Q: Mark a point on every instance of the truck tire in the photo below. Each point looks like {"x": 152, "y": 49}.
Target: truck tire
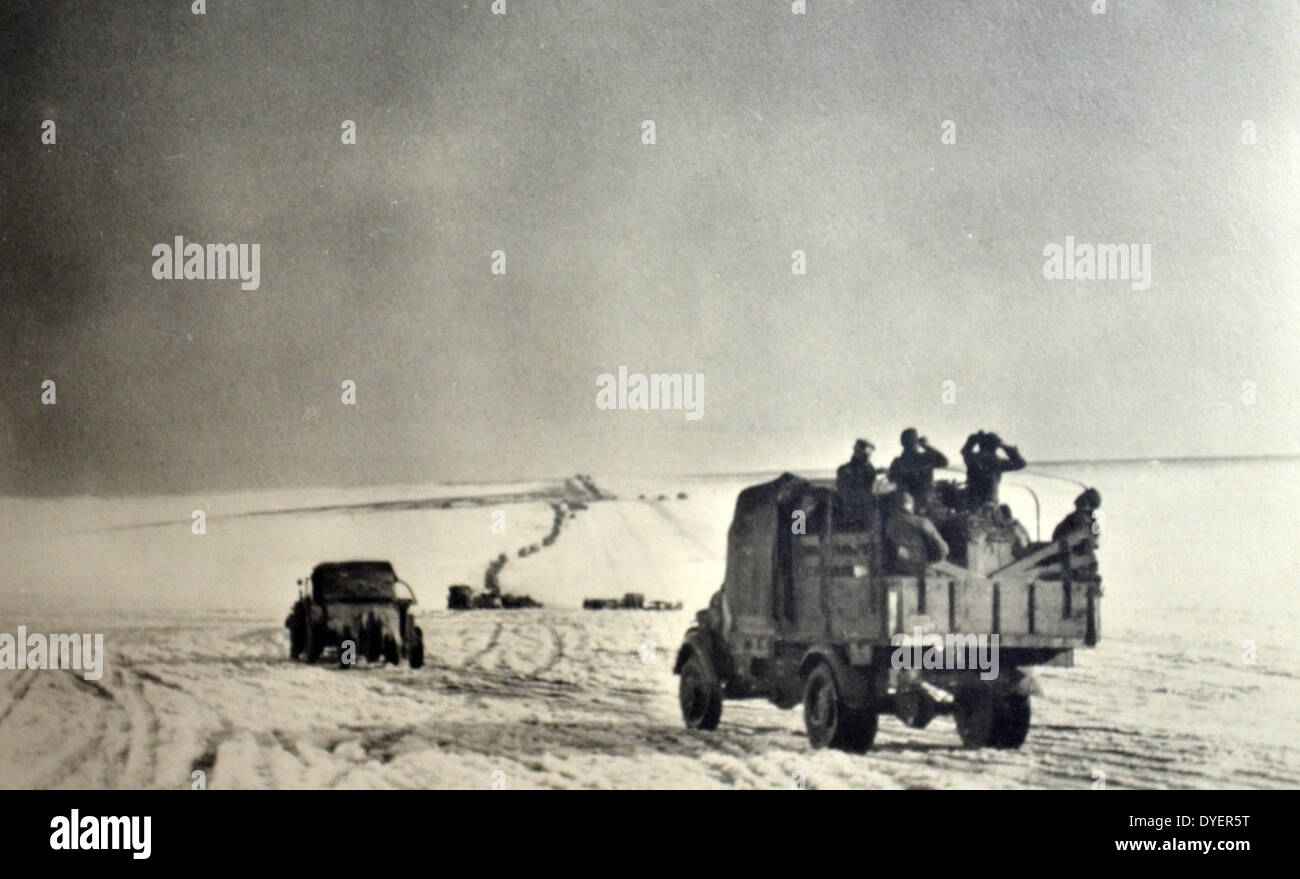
{"x": 829, "y": 721}
{"x": 376, "y": 642}
{"x": 1010, "y": 721}
{"x": 296, "y": 635}
{"x": 416, "y": 656}
{"x": 974, "y": 711}
{"x": 346, "y": 637}
{"x": 391, "y": 655}
{"x": 986, "y": 719}
{"x": 312, "y": 645}
{"x": 699, "y": 693}
{"x": 915, "y": 707}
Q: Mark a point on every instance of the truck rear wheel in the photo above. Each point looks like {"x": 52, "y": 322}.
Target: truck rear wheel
{"x": 416, "y": 655}
{"x": 312, "y": 643}
{"x": 296, "y": 634}
{"x": 915, "y": 707}
{"x": 829, "y": 721}
{"x": 699, "y": 694}
{"x": 989, "y": 720}
{"x": 1011, "y": 722}
{"x": 973, "y": 709}
{"x": 376, "y": 642}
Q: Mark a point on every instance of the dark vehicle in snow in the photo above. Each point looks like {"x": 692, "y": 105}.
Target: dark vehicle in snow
{"x": 357, "y": 602}
{"x": 819, "y": 618}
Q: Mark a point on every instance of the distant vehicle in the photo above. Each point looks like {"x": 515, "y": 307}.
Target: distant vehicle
{"x": 518, "y": 602}
{"x": 358, "y": 602}
{"x": 681, "y": 495}
{"x": 818, "y": 618}
{"x": 629, "y": 601}
{"x": 462, "y": 597}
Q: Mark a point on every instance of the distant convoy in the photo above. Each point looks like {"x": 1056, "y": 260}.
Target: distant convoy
{"x": 905, "y": 596}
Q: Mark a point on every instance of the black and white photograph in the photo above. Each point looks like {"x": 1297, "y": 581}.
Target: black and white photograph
{"x": 514, "y": 395}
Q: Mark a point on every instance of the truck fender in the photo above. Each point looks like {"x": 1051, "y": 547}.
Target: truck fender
{"x": 315, "y": 613}
{"x": 1025, "y": 684}
{"x": 699, "y": 641}
{"x": 855, "y": 687}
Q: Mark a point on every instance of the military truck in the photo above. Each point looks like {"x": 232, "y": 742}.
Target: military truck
{"x": 359, "y": 602}
{"x": 824, "y": 618}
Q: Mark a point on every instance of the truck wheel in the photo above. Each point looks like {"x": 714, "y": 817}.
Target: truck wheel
{"x": 975, "y": 712}
{"x": 390, "y": 650}
{"x": 699, "y": 694}
{"x": 832, "y": 723}
{"x": 375, "y": 640}
{"x": 295, "y": 635}
{"x": 416, "y": 657}
{"x": 311, "y": 642}
{"x": 346, "y": 637}
{"x": 1010, "y": 722}
{"x": 915, "y": 707}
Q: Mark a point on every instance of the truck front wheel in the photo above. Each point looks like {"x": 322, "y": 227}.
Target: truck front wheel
{"x": 699, "y": 693}
{"x": 832, "y": 723}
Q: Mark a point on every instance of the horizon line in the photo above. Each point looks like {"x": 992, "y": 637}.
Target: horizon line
{"x": 1275, "y": 456}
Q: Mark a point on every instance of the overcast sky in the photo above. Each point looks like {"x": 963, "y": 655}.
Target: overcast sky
{"x": 522, "y": 132}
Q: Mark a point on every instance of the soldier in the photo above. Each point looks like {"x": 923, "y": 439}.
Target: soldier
{"x": 1081, "y": 518}
{"x": 913, "y": 471}
{"x": 984, "y": 468}
{"x": 912, "y": 541}
{"x": 1020, "y": 541}
{"x": 853, "y": 487}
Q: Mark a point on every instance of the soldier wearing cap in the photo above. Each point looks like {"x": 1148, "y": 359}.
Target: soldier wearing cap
{"x": 1082, "y": 517}
{"x": 853, "y": 487}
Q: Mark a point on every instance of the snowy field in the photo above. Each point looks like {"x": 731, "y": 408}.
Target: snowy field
{"x": 1198, "y": 560}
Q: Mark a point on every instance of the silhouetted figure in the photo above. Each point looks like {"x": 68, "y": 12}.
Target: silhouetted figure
{"x": 1084, "y": 506}
{"x": 913, "y": 471}
{"x": 984, "y": 468}
{"x": 853, "y": 488}
{"x": 1020, "y": 542}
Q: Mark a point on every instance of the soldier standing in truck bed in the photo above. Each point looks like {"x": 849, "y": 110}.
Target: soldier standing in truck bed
{"x": 913, "y": 471}
{"x": 853, "y": 488}
{"x": 984, "y": 468}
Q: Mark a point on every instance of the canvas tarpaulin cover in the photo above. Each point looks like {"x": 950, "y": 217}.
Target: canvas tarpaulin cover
{"x": 344, "y": 581}
{"x": 749, "y": 585}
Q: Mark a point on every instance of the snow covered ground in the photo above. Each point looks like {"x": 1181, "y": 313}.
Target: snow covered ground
{"x": 1198, "y": 559}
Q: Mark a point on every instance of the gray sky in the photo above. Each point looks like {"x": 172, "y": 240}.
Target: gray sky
{"x": 522, "y": 133}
